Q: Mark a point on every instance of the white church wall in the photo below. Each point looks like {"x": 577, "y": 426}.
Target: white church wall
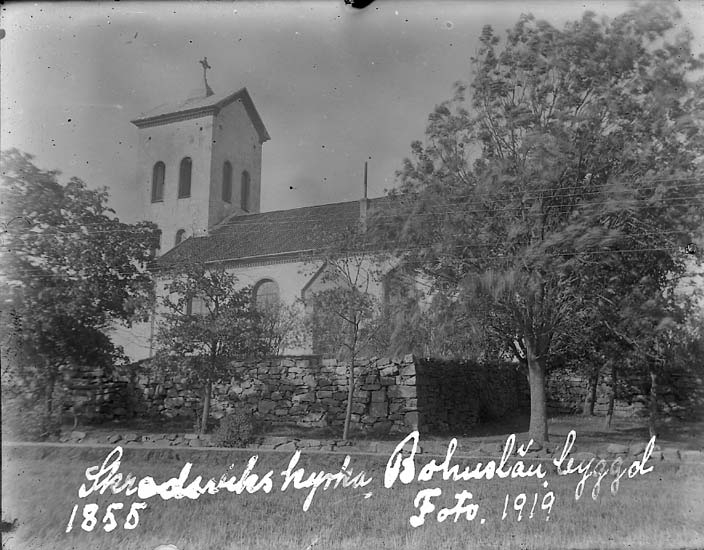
{"x": 290, "y": 277}
{"x": 368, "y": 274}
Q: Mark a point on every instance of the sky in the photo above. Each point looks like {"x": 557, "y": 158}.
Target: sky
{"x": 334, "y": 86}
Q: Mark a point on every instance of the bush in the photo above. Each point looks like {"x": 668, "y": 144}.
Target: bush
{"x": 235, "y": 430}
{"x": 26, "y": 421}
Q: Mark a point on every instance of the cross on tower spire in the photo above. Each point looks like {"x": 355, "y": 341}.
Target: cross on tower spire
{"x": 206, "y": 66}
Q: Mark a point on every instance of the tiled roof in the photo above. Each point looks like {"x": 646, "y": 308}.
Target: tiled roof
{"x": 202, "y": 105}
{"x": 256, "y": 237}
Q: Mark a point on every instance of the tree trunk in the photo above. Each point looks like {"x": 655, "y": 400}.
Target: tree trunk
{"x": 590, "y": 398}
{"x": 49, "y": 405}
{"x": 653, "y": 405}
{"x": 538, "y": 428}
{"x": 206, "y": 407}
{"x": 612, "y": 397}
{"x": 49, "y": 396}
{"x": 50, "y": 389}
{"x": 350, "y": 396}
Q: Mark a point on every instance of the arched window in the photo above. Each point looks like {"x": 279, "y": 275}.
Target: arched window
{"x": 227, "y": 181}
{"x": 158, "y": 182}
{"x": 184, "y": 178}
{"x": 266, "y": 294}
{"x": 244, "y": 201}
{"x": 179, "y": 236}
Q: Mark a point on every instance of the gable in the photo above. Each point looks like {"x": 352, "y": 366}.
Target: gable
{"x": 202, "y": 106}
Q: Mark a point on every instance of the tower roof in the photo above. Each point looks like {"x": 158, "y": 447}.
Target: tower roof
{"x": 202, "y": 105}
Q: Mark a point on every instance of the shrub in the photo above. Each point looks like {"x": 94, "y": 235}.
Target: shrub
{"x": 235, "y": 430}
{"x": 24, "y": 420}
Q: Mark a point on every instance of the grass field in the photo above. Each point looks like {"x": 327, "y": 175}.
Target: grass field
{"x": 662, "y": 509}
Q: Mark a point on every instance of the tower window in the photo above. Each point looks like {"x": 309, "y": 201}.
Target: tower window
{"x": 266, "y": 294}
{"x": 227, "y": 182}
{"x": 184, "y": 178}
{"x": 179, "y": 236}
{"x": 244, "y": 200}
{"x": 158, "y": 182}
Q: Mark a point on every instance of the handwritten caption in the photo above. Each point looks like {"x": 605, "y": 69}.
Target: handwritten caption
{"x": 403, "y": 467}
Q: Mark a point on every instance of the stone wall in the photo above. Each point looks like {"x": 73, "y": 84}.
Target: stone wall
{"x": 680, "y": 393}
{"x": 94, "y": 394}
{"x": 390, "y": 395}
{"x": 304, "y": 391}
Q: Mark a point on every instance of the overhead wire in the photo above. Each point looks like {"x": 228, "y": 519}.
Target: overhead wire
{"x": 240, "y": 221}
{"x": 355, "y": 217}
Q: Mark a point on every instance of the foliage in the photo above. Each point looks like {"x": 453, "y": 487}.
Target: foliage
{"x": 343, "y": 312}
{"x": 71, "y": 269}
{"x": 236, "y": 429}
{"x": 568, "y": 168}
{"x": 26, "y": 419}
{"x": 445, "y": 326}
{"x": 344, "y": 317}
{"x": 342, "y": 321}
{"x": 282, "y": 326}
{"x": 207, "y": 323}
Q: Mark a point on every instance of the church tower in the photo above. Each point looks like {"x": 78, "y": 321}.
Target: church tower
{"x": 200, "y": 162}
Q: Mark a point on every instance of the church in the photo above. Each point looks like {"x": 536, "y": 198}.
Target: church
{"x": 199, "y": 180}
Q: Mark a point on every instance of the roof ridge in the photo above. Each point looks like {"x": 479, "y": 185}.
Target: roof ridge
{"x": 246, "y": 216}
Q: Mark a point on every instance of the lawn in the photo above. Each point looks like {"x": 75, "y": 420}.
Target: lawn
{"x": 661, "y": 509}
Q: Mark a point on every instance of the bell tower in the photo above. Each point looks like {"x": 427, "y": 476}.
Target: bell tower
{"x": 199, "y": 161}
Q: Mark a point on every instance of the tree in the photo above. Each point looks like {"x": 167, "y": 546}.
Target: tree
{"x": 207, "y": 323}
{"x": 344, "y": 316}
{"x": 654, "y": 330}
{"x": 71, "y": 269}
{"x": 281, "y": 325}
{"x": 571, "y": 158}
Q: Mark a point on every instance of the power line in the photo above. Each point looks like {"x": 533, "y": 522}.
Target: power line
{"x": 335, "y": 244}
{"x": 476, "y": 194}
{"x": 292, "y": 221}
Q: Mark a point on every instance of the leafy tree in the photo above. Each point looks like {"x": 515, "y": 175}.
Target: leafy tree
{"x": 344, "y": 316}
{"x": 442, "y": 326}
{"x": 207, "y": 323}
{"x": 654, "y": 332}
{"x": 571, "y": 158}
{"x": 281, "y": 325}
{"x": 70, "y": 270}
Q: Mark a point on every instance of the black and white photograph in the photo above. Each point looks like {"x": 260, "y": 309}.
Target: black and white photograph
{"x": 349, "y": 275}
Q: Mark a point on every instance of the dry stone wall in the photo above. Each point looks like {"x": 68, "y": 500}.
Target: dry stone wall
{"x": 680, "y": 393}
{"x": 391, "y": 395}
{"x": 304, "y": 391}
{"x": 94, "y": 394}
